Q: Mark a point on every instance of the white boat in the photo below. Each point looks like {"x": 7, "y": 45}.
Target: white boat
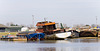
{"x": 63, "y": 35}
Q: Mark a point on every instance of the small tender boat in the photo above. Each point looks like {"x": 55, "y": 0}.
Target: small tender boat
{"x": 59, "y": 36}
{"x": 9, "y": 36}
{"x": 63, "y": 35}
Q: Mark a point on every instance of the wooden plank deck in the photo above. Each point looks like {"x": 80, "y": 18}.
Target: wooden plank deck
{"x": 13, "y": 39}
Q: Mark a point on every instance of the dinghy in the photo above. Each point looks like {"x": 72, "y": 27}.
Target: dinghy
{"x": 63, "y": 35}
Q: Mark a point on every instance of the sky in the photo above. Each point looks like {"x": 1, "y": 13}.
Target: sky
{"x": 69, "y": 12}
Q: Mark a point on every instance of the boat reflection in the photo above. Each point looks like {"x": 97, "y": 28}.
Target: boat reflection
{"x": 47, "y": 49}
{"x": 95, "y": 40}
{"x": 69, "y": 49}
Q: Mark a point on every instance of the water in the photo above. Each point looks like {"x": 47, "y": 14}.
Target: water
{"x": 51, "y": 45}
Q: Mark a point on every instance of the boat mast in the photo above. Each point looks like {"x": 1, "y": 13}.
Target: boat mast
{"x": 96, "y": 21}
{"x": 44, "y": 19}
{"x": 33, "y": 20}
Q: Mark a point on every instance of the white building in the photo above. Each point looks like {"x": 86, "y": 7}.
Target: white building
{"x": 25, "y": 29}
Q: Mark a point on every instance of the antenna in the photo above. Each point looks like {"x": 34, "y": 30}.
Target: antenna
{"x": 44, "y": 19}
{"x": 96, "y": 21}
{"x": 33, "y": 20}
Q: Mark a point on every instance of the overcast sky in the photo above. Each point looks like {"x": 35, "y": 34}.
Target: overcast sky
{"x": 62, "y": 11}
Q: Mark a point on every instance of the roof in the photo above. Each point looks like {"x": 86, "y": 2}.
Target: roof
{"x": 14, "y": 26}
{"x": 1, "y": 25}
{"x": 45, "y": 23}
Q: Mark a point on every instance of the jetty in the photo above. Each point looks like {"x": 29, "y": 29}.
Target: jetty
{"x": 13, "y": 39}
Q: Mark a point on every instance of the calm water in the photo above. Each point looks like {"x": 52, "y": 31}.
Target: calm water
{"x": 59, "y": 45}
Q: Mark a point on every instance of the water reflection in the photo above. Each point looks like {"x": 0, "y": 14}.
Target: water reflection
{"x": 96, "y": 40}
{"x": 51, "y": 45}
{"x": 47, "y": 49}
{"x": 69, "y": 49}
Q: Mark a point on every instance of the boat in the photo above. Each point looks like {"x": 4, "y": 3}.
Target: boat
{"x": 31, "y": 35}
{"x": 50, "y": 30}
{"x": 45, "y": 30}
{"x": 63, "y": 35}
{"x": 10, "y": 37}
{"x": 35, "y": 36}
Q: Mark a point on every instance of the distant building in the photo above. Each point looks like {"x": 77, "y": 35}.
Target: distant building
{"x": 24, "y": 29}
{"x": 13, "y": 28}
{"x": 4, "y": 28}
